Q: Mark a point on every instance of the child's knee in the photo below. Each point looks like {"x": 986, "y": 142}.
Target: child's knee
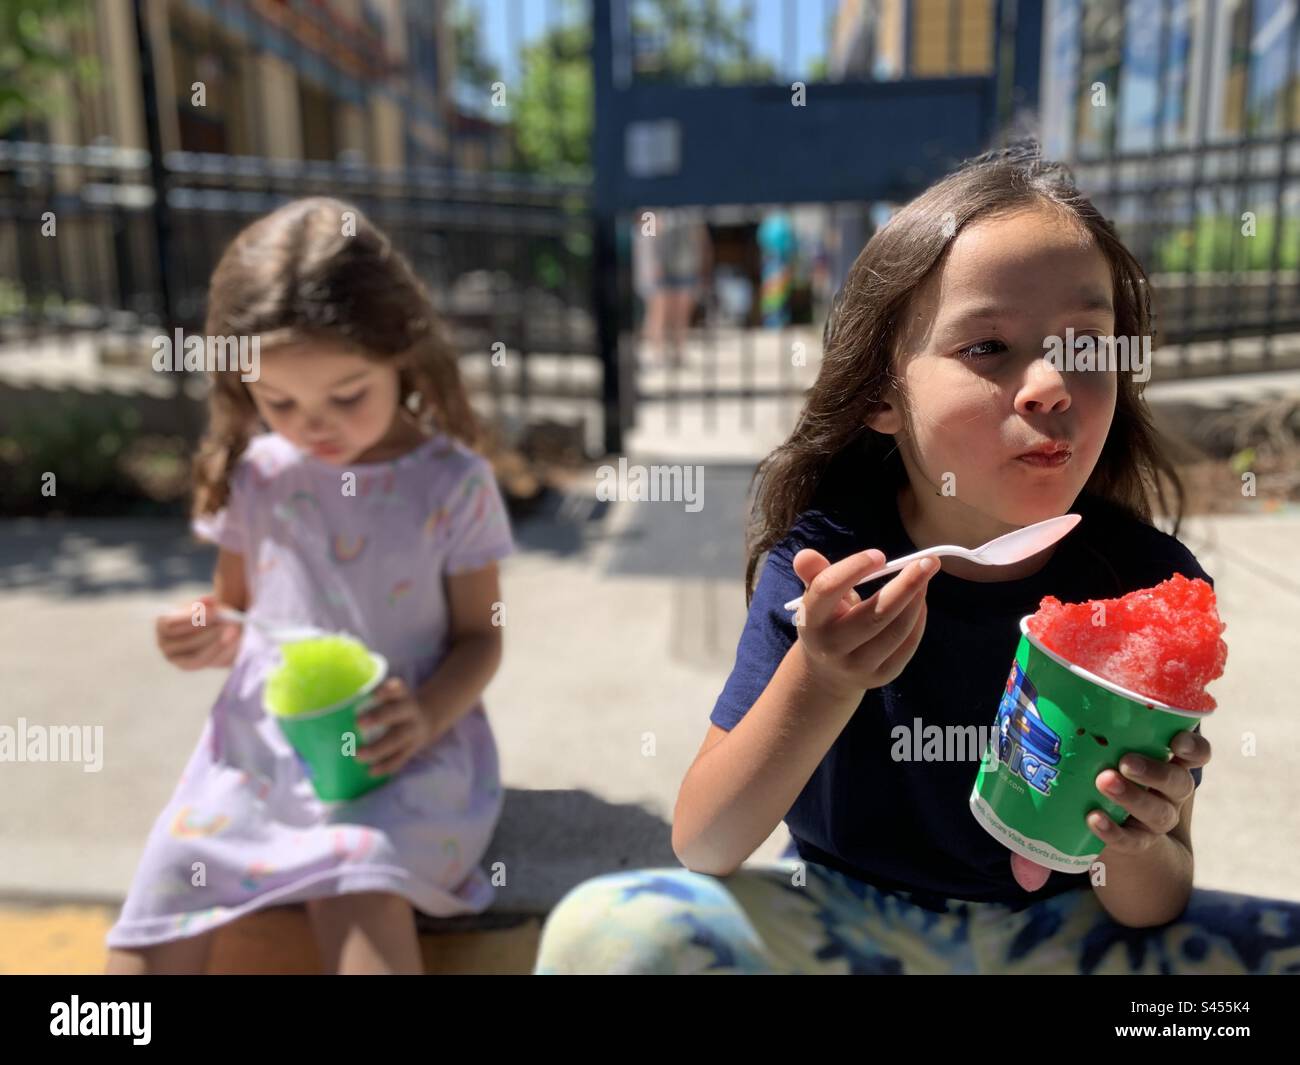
{"x": 633, "y": 921}
{"x": 173, "y": 958}
{"x": 126, "y": 963}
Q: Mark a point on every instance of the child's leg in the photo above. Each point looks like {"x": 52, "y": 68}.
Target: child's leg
{"x": 366, "y": 932}
{"x": 656, "y": 307}
{"x": 1222, "y": 931}
{"x": 177, "y": 958}
{"x": 681, "y": 307}
{"x": 1219, "y": 932}
{"x": 664, "y": 921}
{"x": 781, "y": 917}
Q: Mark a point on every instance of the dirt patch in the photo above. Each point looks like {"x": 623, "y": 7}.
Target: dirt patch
{"x": 1242, "y": 459}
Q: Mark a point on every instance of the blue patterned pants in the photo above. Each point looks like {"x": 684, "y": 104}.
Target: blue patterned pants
{"x": 799, "y": 917}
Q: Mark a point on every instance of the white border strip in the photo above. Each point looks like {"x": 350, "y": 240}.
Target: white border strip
{"x": 1035, "y": 850}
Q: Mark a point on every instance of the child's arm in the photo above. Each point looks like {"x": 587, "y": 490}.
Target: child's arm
{"x": 418, "y": 719}
{"x": 474, "y": 600}
{"x": 476, "y": 535}
{"x": 1148, "y": 860}
{"x": 228, "y": 581}
{"x": 743, "y": 783}
{"x": 1151, "y": 888}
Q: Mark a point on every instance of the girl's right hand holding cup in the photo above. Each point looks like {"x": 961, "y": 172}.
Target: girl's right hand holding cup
{"x": 857, "y": 644}
{"x": 188, "y": 645}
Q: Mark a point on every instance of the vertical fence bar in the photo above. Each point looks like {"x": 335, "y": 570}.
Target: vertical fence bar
{"x": 1241, "y": 189}
{"x": 1158, "y": 198}
{"x": 606, "y": 161}
{"x": 1285, "y": 138}
{"x": 160, "y": 214}
{"x": 1199, "y": 149}
{"x": 52, "y": 282}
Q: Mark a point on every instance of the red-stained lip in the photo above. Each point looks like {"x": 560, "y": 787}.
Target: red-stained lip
{"x": 1056, "y": 449}
{"x": 325, "y": 449}
{"x": 1057, "y": 458}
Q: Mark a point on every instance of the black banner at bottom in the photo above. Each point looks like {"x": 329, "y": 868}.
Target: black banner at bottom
{"x": 235, "y": 1013}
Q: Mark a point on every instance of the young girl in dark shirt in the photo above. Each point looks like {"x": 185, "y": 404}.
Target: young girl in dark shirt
{"x": 933, "y": 390}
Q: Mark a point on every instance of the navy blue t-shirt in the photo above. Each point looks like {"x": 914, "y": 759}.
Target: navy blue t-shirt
{"x": 906, "y": 825}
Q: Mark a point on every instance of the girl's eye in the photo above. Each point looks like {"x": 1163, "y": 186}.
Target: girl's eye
{"x": 281, "y": 406}
{"x": 350, "y": 400}
{"x": 973, "y": 351}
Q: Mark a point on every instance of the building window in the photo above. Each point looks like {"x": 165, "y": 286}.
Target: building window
{"x": 1267, "y": 58}
{"x": 1060, "y": 78}
{"x": 1144, "y": 124}
{"x": 204, "y": 87}
{"x": 319, "y": 139}
{"x": 951, "y": 38}
{"x": 1099, "y": 67}
{"x": 1234, "y": 84}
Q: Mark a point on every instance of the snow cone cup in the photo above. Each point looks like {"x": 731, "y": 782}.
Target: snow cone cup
{"x": 1057, "y": 727}
{"x": 323, "y": 739}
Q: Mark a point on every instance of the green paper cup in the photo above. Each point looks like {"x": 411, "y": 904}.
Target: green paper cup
{"x": 319, "y": 737}
{"x": 1057, "y": 727}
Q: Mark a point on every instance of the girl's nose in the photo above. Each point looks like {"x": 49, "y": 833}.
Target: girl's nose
{"x": 1043, "y": 390}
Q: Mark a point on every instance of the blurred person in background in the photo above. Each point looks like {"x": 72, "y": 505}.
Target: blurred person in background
{"x": 681, "y": 257}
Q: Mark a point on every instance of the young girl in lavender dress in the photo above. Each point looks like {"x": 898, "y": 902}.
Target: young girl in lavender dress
{"x": 359, "y": 505}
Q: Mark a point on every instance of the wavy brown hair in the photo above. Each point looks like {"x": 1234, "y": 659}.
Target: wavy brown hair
{"x": 830, "y": 442}
{"x": 300, "y": 274}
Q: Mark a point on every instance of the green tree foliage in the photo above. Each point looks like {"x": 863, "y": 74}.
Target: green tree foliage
{"x": 701, "y": 42}
{"x": 690, "y": 41}
{"x": 554, "y": 114}
{"x": 34, "y": 49}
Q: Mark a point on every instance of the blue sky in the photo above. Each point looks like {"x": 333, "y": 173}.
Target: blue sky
{"x": 528, "y": 19}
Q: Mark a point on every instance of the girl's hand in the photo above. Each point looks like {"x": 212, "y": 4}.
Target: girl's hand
{"x": 857, "y": 644}
{"x": 1156, "y": 806}
{"x": 410, "y": 728}
{"x": 1154, "y": 809}
{"x": 189, "y": 646}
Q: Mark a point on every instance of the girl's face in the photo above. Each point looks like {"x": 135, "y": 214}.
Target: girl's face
{"x": 329, "y": 402}
{"x": 978, "y": 392}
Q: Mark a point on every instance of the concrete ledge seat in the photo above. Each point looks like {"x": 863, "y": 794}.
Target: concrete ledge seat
{"x": 547, "y": 842}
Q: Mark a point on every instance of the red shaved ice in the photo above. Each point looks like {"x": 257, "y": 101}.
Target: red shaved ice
{"x": 1162, "y": 642}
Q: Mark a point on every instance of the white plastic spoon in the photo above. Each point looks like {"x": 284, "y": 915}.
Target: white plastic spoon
{"x": 1003, "y": 551}
{"x": 276, "y": 631}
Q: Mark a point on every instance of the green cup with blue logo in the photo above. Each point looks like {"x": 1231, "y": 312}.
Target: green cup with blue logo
{"x": 1058, "y": 726}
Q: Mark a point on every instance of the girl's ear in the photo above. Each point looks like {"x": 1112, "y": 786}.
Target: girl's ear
{"x": 886, "y": 418}
{"x": 405, "y": 388}
{"x": 255, "y": 422}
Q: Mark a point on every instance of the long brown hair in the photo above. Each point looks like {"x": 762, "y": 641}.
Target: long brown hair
{"x": 831, "y": 442}
{"x": 318, "y": 269}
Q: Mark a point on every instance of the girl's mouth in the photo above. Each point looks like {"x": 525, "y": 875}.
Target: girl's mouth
{"x": 1046, "y": 459}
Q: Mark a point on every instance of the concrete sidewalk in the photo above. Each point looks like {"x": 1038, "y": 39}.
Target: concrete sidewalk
{"x": 621, "y": 628}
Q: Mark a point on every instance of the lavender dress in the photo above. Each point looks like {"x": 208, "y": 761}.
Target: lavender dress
{"x": 364, "y": 554}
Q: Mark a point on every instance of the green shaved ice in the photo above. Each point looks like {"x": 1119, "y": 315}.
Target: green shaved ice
{"x": 317, "y": 673}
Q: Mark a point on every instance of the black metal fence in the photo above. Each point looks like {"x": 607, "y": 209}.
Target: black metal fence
{"x": 506, "y": 258}
{"x": 510, "y": 249}
{"x": 1216, "y": 230}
